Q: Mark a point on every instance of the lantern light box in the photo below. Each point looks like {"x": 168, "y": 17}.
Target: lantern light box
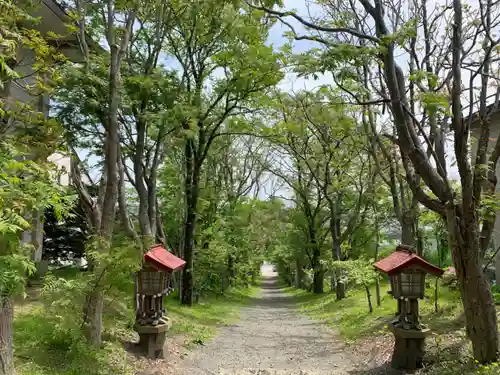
{"x": 407, "y": 272}
{"x": 153, "y": 284}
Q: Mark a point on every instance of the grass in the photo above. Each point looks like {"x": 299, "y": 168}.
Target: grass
{"x": 448, "y": 349}
{"x": 353, "y": 320}
{"x": 46, "y": 345}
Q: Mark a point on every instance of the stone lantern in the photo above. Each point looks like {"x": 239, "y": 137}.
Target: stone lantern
{"x": 152, "y": 284}
{"x": 407, "y": 273}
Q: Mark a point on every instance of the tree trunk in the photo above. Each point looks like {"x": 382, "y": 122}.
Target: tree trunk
{"x": 497, "y": 266}
{"x": 436, "y": 295}
{"x": 480, "y": 313}
{"x": 318, "y": 273}
{"x": 407, "y": 235}
{"x": 369, "y": 298}
{"x": 436, "y": 283}
{"x": 336, "y": 245}
{"x": 140, "y": 184}
{"x": 105, "y": 219}
{"x": 377, "y": 291}
{"x": 6, "y": 352}
{"x": 420, "y": 242}
{"x": 318, "y": 281}
{"x": 153, "y": 216}
{"x": 187, "y": 274}
{"x": 477, "y": 299}
{"x": 377, "y": 280}
{"x": 340, "y": 283}
{"x": 94, "y": 307}
{"x": 230, "y": 269}
{"x": 191, "y": 191}
{"x": 298, "y": 274}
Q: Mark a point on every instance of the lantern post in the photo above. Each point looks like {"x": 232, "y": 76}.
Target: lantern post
{"x": 152, "y": 284}
{"x": 407, "y": 273}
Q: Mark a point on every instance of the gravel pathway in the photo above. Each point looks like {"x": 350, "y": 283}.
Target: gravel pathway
{"x": 271, "y": 338}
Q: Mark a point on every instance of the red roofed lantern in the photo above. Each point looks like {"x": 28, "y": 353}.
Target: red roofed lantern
{"x": 407, "y": 272}
{"x": 152, "y": 284}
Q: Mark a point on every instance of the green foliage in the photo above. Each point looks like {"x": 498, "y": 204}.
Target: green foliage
{"x": 361, "y": 272}
{"x": 25, "y": 186}
{"x": 20, "y": 32}
{"x": 246, "y": 233}
{"x": 450, "y": 278}
{"x": 435, "y": 236}
{"x": 496, "y": 294}
{"x": 353, "y": 320}
{"x": 49, "y": 341}
{"x": 123, "y": 260}
{"x": 44, "y": 348}
{"x": 65, "y": 298}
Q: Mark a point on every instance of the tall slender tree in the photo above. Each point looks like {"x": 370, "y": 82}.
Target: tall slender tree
{"x": 219, "y": 83}
{"x": 116, "y": 20}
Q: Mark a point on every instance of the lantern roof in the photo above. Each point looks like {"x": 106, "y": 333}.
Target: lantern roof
{"x": 163, "y": 260}
{"x": 403, "y": 258}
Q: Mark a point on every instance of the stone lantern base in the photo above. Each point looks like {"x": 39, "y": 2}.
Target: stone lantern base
{"x": 152, "y": 339}
{"x": 408, "y": 347}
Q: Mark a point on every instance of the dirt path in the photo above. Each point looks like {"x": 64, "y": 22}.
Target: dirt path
{"x": 271, "y": 338}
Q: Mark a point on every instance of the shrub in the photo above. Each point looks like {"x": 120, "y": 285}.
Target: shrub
{"x": 450, "y": 278}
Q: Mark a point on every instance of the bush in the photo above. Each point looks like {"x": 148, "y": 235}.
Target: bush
{"x": 496, "y": 294}
{"x": 44, "y": 346}
{"x": 450, "y": 278}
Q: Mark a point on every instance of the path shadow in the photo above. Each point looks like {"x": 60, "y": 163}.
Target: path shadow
{"x": 272, "y": 295}
{"x": 271, "y": 282}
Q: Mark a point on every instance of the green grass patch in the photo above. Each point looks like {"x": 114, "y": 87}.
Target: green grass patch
{"x": 448, "y": 349}
{"x": 46, "y": 345}
{"x": 352, "y": 319}
{"x": 200, "y": 321}
{"x": 469, "y": 368}
{"x": 43, "y": 348}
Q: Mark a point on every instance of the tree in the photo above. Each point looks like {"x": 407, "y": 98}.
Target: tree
{"x": 294, "y": 142}
{"x": 28, "y": 138}
{"x": 147, "y": 116}
{"x": 225, "y": 69}
{"x": 232, "y": 170}
{"x": 320, "y": 135}
{"x": 422, "y": 120}
{"x": 362, "y": 273}
{"x": 116, "y": 20}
